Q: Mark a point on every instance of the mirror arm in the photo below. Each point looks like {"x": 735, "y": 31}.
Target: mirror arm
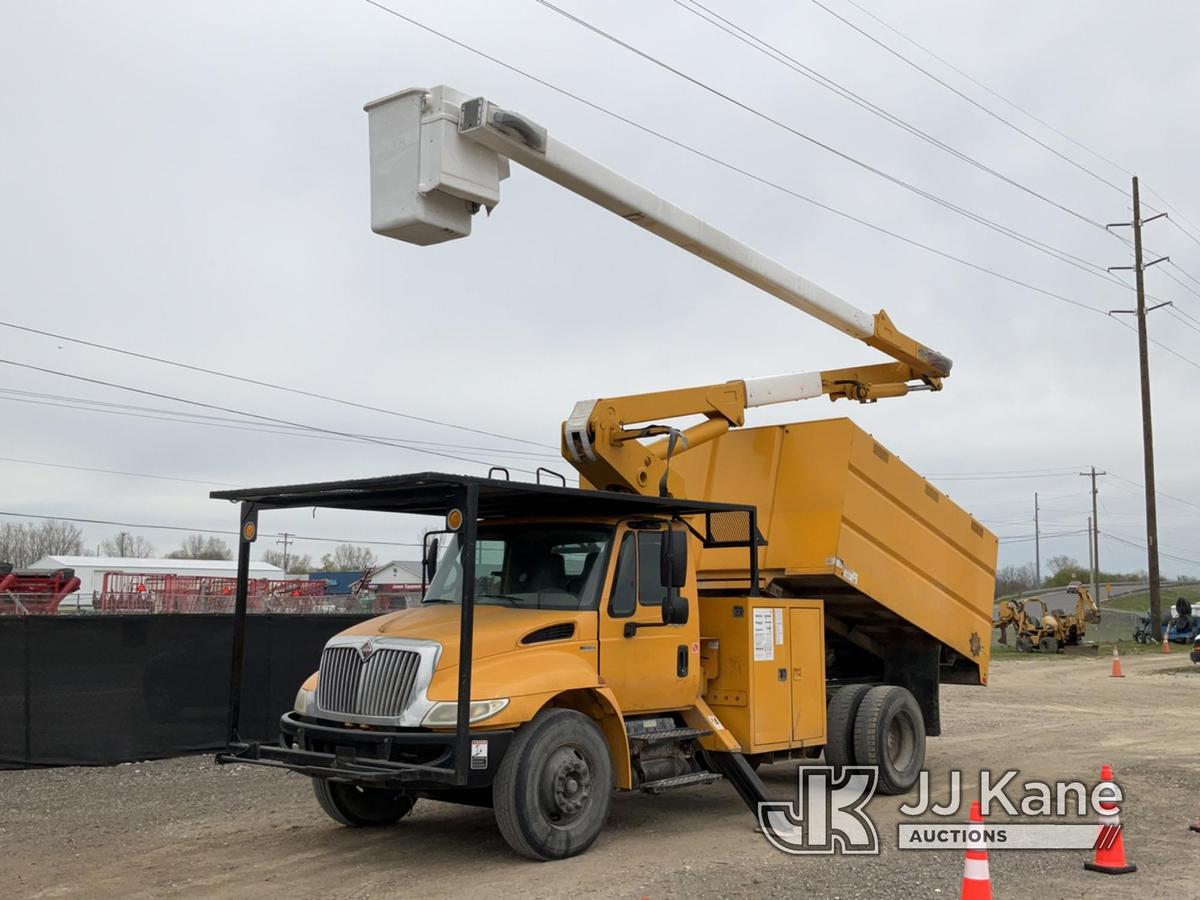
{"x": 631, "y": 628}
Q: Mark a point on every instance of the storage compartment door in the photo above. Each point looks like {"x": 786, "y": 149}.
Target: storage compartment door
{"x": 807, "y": 674}
{"x": 771, "y": 694}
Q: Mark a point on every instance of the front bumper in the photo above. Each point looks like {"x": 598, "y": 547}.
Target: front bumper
{"x": 412, "y": 759}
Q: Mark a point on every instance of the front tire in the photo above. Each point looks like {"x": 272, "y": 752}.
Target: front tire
{"x": 361, "y": 807}
{"x": 1048, "y": 645}
{"x": 554, "y": 788}
{"x": 889, "y": 732}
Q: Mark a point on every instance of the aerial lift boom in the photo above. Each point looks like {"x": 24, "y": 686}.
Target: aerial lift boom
{"x": 438, "y": 156}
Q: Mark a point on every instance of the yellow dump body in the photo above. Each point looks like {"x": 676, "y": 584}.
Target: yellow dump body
{"x": 846, "y": 521}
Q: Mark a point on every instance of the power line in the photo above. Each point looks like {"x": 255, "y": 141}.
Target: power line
{"x": 999, "y": 477}
{"x": 298, "y": 537}
{"x": 1160, "y": 493}
{"x": 58, "y": 401}
{"x": 218, "y": 407}
{"x": 766, "y": 182}
{"x": 1191, "y": 236}
{"x": 980, "y": 84}
{"x": 1044, "y": 471}
{"x": 1020, "y": 237}
{"x": 774, "y": 53}
{"x": 1142, "y": 547}
{"x": 967, "y": 98}
{"x": 258, "y": 383}
{"x": 1049, "y": 536}
{"x": 1161, "y": 345}
{"x": 50, "y": 465}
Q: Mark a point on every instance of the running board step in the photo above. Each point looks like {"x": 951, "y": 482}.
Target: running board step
{"x": 668, "y": 734}
{"x": 665, "y": 784}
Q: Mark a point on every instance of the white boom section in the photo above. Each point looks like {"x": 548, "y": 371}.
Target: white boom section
{"x": 428, "y": 176}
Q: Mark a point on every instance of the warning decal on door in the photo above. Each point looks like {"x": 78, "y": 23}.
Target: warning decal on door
{"x": 779, "y": 626}
{"x": 764, "y": 635}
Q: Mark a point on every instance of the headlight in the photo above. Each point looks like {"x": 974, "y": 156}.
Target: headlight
{"x": 306, "y": 702}
{"x": 445, "y": 713}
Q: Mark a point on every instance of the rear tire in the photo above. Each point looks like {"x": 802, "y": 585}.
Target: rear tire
{"x": 889, "y": 732}
{"x": 839, "y": 743}
{"x": 361, "y": 807}
{"x": 554, "y": 788}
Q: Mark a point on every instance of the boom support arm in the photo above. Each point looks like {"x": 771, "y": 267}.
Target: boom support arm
{"x": 602, "y": 438}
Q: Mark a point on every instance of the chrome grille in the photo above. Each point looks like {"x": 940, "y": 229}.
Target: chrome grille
{"x": 380, "y": 686}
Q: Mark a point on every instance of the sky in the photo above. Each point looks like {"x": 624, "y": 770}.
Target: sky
{"x": 190, "y": 182}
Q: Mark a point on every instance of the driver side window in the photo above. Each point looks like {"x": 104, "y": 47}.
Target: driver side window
{"x": 637, "y": 579}
{"x": 625, "y": 582}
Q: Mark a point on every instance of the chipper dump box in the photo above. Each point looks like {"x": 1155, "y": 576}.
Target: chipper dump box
{"x": 897, "y": 563}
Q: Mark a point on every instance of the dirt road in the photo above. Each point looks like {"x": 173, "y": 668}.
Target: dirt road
{"x": 189, "y": 827}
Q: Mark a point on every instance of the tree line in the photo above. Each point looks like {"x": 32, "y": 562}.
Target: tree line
{"x": 1063, "y": 570}
{"x": 23, "y": 544}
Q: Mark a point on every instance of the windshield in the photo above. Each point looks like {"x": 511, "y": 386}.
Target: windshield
{"x": 548, "y": 566}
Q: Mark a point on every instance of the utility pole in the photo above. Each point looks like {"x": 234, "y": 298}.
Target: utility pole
{"x": 285, "y": 538}
{"x": 1094, "y": 533}
{"x": 1139, "y": 269}
{"x": 1091, "y": 547}
{"x": 1037, "y": 544}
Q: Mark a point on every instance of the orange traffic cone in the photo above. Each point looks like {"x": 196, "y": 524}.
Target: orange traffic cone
{"x": 1166, "y": 643}
{"x": 977, "y": 881}
{"x": 1116, "y": 672}
{"x": 1110, "y": 843}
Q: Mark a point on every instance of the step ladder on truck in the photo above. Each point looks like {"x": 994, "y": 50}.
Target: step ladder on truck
{"x": 709, "y": 599}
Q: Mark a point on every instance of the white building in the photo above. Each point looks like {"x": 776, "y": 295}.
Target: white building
{"x": 90, "y": 570}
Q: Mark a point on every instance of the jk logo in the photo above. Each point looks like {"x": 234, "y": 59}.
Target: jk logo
{"x": 828, "y": 816}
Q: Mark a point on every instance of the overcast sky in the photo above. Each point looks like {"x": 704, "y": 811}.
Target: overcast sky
{"x": 190, "y": 181}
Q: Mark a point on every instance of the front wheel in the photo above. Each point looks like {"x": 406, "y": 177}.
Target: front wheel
{"x": 889, "y": 732}
{"x": 554, "y": 787}
{"x": 361, "y": 807}
{"x": 1048, "y": 645}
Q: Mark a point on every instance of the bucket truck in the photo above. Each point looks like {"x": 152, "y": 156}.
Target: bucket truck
{"x": 710, "y": 598}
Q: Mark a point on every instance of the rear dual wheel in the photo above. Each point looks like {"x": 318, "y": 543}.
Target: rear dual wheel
{"x": 878, "y": 726}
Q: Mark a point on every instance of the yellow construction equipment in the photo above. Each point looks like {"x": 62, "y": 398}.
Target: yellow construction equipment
{"x": 1037, "y": 628}
{"x": 710, "y": 598}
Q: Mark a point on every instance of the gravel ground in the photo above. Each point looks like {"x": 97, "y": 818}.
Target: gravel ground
{"x": 189, "y": 827}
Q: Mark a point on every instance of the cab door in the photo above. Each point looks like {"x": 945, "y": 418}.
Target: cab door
{"x": 656, "y": 667}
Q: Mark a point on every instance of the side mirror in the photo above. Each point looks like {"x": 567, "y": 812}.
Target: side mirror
{"x": 431, "y": 559}
{"x": 674, "y": 609}
{"x": 673, "y": 562}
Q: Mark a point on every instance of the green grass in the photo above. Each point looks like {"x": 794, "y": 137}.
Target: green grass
{"x": 1140, "y": 602}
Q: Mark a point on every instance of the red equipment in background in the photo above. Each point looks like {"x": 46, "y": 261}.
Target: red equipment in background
{"x": 165, "y": 593}
{"x": 24, "y": 592}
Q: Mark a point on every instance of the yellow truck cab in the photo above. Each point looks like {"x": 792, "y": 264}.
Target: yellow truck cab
{"x": 564, "y": 648}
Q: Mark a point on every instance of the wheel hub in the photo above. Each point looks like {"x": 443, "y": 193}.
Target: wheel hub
{"x": 567, "y": 786}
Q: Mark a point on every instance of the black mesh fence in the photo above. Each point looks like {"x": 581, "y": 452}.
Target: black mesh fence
{"x": 99, "y": 690}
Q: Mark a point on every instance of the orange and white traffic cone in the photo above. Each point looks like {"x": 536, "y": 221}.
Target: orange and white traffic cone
{"x": 1166, "y": 643}
{"x": 1116, "y": 672}
{"x": 977, "y": 881}
{"x": 1110, "y": 843}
